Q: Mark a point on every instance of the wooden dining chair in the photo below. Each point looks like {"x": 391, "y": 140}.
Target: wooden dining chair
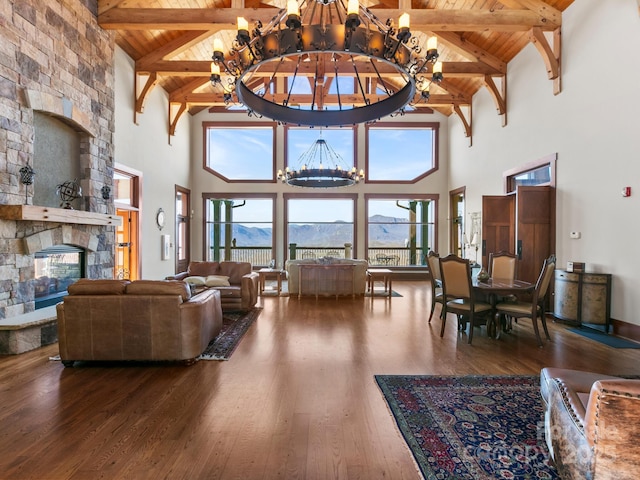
{"x": 537, "y": 307}
{"x": 503, "y": 265}
{"x": 457, "y": 291}
{"x": 433, "y": 260}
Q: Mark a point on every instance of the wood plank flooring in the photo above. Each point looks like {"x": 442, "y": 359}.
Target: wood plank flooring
{"x": 297, "y": 400}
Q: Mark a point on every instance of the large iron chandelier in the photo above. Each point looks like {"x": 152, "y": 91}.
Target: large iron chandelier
{"x": 294, "y": 69}
{"x": 321, "y": 167}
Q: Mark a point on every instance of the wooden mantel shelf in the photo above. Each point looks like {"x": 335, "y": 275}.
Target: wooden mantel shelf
{"x": 58, "y": 215}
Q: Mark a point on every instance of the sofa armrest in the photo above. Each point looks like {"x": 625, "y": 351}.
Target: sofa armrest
{"x": 178, "y": 276}
{"x": 249, "y": 289}
{"x": 612, "y": 426}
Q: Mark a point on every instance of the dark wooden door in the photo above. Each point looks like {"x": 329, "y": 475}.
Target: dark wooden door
{"x": 533, "y": 230}
{"x": 498, "y": 225}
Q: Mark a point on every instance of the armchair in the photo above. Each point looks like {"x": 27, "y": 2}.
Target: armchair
{"x": 592, "y": 425}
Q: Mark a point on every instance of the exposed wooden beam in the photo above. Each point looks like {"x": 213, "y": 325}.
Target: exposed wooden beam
{"x": 466, "y": 122}
{"x": 143, "y": 84}
{"x": 499, "y": 95}
{"x": 189, "y": 88}
{"x": 175, "y": 112}
{"x": 538, "y": 6}
{"x": 225, "y": 18}
{"x": 471, "y": 51}
{"x": 192, "y": 68}
{"x": 550, "y": 56}
{"x": 174, "y": 47}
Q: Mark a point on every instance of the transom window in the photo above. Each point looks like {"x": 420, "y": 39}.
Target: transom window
{"x": 240, "y": 152}
{"x": 300, "y": 139}
{"x": 401, "y": 153}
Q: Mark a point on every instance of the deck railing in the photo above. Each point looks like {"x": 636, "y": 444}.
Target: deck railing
{"x": 380, "y": 257}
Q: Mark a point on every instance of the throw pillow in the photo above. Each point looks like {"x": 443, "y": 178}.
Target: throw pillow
{"x": 195, "y": 280}
{"x": 217, "y": 281}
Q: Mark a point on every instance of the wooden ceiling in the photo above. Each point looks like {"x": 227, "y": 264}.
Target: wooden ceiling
{"x": 171, "y": 42}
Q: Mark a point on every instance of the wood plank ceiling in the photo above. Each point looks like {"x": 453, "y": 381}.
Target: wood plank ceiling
{"x": 171, "y": 42}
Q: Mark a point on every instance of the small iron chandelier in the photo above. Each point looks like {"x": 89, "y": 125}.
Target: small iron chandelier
{"x": 316, "y": 42}
{"x": 321, "y": 167}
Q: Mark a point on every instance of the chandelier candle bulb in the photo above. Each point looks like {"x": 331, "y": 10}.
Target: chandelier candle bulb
{"x": 218, "y": 46}
{"x": 403, "y": 21}
{"x": 215, "y": 69}
{"x": 292, "y": 7}
{"x": 353, "y": 7}
{"x": 437, "y": 72}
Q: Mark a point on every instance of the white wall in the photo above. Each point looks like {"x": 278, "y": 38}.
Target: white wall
{"x": 205, "y": 182}
{"x": 593, "y": 127}
{"x": 145, "y": 147}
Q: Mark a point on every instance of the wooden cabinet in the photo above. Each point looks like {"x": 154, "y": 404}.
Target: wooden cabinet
{"x": 521, "y": 224}
{"x": 583, "y": 298}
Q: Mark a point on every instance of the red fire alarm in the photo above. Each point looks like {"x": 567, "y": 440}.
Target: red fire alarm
{"x": 626, "y": 192}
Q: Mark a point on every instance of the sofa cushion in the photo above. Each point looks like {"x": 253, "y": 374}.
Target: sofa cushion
{"x": 88, "y": 286}
{"x": 196, "y": 280}
{"x": 217, "y": 281}
{"x": 235, "y": 271}
{"x": 203, "y": 269}
{"x": 159, "y": 287}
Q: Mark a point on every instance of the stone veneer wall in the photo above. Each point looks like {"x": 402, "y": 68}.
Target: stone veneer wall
{"x": 54, "y": 58}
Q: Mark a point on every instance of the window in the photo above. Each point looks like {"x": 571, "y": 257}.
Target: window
{"x": 401, "y": 153}
{"x": 240, "y": 228}
{"x": 400, "y": 231}
{"x": 242, "y": 152}
{"x": 539, "y": 172}
{"x": 319, "y": 227}
{"x": 300, "y": 139}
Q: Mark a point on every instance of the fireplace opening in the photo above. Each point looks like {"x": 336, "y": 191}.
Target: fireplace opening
{"x": 55, "y": 269}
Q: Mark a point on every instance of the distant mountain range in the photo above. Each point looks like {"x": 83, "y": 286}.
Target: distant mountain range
{"x": 387, "y": 232}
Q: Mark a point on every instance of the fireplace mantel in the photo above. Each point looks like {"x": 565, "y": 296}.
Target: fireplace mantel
{"x": 58, "y": 215}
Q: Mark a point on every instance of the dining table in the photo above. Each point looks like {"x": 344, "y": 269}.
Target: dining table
{"x": 491, "y": 289}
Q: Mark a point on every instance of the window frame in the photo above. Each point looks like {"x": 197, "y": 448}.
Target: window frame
{"x": 431, "y": 197}
{"x": 354, "y": 131}
{"x": 207, "y": 197}
{"x": 239, "y": 125}
{"x": 310, "y": 196}
{"x": 434, "y": 126}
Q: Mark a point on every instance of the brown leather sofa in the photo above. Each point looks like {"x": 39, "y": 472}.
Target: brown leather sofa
{"x": 241, "y": 292}
{"x": 141, "y": 320}
{"x": 592, "y": 424}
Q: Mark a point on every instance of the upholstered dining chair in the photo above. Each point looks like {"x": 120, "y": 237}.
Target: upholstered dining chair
{"x": 433, "y": 260}
{"x": 503, "y": 265}
{"x": 537, "y": 307}
{"x": 457, "y": 291}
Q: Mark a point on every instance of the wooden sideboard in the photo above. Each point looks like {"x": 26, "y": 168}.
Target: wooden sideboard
{"x": 583, "y": 298}
{"x": 320, "y": 279}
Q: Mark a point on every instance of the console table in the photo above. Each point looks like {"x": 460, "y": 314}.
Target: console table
{"x": 583, "y": 298}
{"x": 332, "y": 279}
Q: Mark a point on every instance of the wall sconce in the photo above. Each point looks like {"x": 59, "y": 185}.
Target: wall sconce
{"x": 106, "y": 192}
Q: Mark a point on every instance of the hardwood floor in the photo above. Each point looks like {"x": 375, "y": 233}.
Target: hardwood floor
{"x": 297, "y": 400}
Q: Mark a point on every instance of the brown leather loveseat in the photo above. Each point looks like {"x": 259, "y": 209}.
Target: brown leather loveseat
{"x": 592, "y": 424}
{"x": 141, "y": 320}
{"x": 236, "y": 282}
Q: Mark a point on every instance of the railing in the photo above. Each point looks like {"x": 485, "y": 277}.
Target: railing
{"x": 380, "y": 257}
{"x": 257, "y": 256}
{"x": 396, "y": 257}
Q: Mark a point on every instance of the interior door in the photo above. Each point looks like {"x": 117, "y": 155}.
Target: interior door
{"x": 183, "y": 228}
{"x": 498, "y": 225}
{"x": 126, "y": 261}
{"x": 533, "y": 230}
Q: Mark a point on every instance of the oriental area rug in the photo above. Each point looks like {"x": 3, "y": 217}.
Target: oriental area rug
{"x": 234, "y": 326}
{"x": 471, "y": 427}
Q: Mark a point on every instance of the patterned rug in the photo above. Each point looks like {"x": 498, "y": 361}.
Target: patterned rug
{"x": 472, "y": 427}
{"x": 234, "y": 326}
